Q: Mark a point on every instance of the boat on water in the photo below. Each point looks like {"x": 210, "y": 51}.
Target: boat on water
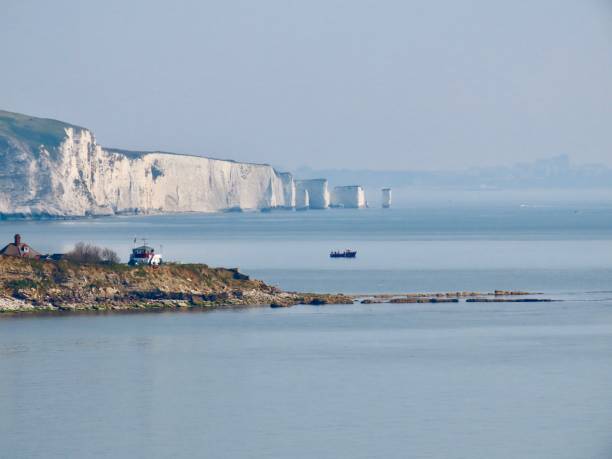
{"x": 145, "y": 255}
{"x": 343, "y": 254}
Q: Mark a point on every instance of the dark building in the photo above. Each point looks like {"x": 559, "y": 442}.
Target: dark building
{"x": 19, "y": 249}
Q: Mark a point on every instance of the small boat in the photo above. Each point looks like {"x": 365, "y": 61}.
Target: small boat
{"x": 343, "y": 254}
{"x": 144, "y": 255}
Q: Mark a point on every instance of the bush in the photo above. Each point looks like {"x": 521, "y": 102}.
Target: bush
{"x": 21, "y": 284}
{"x": 110, "y": 256}
{"x": 89, "y": 253}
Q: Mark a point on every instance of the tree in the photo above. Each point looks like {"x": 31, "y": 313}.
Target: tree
{"x": 89, "y": 253}
{"x": 110, "y": 256}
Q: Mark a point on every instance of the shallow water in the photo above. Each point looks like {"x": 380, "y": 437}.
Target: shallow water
{"x": 444, "y": 381}
{"x": 442, "y": 248}
{"x": 362, "y": 381}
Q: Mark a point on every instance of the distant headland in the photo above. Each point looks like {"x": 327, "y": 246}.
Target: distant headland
{"x": 92, "y": 279}
{"x": 53, "y": 169}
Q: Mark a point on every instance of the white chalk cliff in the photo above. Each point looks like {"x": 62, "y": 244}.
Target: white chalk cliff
{"x": 54, "y": 169}
{"x": 317, "y": 191}
{"x": 352, "y": 196}
{"x": 386, "y": 198}
{"x": 302, "y": 200}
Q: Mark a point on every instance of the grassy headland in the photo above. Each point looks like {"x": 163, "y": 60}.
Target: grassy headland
{"x": 28, "y": 285}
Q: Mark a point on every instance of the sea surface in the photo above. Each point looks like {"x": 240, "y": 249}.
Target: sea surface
{"x": 439, "y": 381}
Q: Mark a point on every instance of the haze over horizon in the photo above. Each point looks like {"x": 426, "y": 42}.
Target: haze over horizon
{"x": 335, "y": 84}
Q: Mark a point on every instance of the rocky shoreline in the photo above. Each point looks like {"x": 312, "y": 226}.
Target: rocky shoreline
{"x": 30, "y": 286}
{"x": 36, "y": 286}
{"x": 498, "y": 296}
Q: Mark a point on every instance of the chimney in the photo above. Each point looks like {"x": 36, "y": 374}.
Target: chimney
{"x": 17, "y": 239}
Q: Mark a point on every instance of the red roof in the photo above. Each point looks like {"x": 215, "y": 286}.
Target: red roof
{"x": 19, "y": 250}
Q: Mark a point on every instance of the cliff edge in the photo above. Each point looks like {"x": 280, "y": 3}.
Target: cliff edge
{"x": 55, "y": 169}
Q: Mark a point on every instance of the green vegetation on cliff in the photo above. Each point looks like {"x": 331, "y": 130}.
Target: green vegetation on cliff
{"x": 31, "y": 130}
{"x": 33, "y": 285}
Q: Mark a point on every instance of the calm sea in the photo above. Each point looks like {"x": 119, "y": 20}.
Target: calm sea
{"x": 362, "y": 381}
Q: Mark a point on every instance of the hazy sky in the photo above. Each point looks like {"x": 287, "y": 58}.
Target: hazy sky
{"x": 323, "y": 83}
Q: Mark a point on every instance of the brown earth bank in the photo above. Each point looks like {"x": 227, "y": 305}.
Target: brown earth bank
{"x": 28, "y": 285}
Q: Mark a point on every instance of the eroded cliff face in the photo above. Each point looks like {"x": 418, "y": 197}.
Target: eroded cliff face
{"x": 55, "y": 169}
{"x": 352, "y": 197}
{"x": 317, "y": 191}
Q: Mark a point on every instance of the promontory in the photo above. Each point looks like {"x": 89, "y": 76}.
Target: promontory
{"x": 30, "y": 285}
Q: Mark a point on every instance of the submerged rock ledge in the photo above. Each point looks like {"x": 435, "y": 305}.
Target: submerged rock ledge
{"x": 498, "y": 296}
{"x": 28, "y": 285}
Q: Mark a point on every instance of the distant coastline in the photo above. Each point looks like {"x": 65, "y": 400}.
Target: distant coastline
{"x": 53, "y": 169}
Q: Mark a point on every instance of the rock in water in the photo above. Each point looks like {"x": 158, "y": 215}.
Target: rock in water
{"x": 386, "y": 198}
{"x": 351, "y": 197}
{"x": 317, "y": 192}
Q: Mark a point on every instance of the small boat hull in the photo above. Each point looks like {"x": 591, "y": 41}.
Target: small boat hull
{"x": 344, "y": 254}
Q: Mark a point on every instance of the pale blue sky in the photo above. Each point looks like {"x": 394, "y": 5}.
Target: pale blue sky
{"x": 323, "y": 83}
